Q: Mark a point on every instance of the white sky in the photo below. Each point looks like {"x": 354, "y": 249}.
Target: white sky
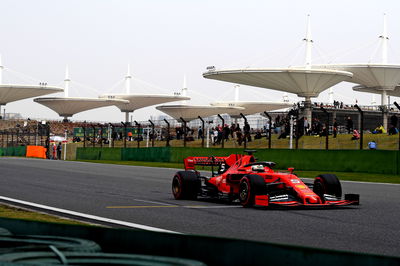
{"x": 163, "y": 40}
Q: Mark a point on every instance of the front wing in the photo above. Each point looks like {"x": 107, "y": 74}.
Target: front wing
{"x": 350, "y": 199}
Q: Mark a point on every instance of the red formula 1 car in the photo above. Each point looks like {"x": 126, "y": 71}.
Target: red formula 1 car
{"x": 241, "y": 177}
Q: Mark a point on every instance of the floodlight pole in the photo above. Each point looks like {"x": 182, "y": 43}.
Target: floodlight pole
{"x": 398, "y": 107}
{"x": 269, "y": 129}
{"x": 168, "y": 129}
{"x": 184, "y": 131}
{"x": 361, "y": 126}
{"x": 326, "y": 128}
{"x": 223, "y": 131}
{"x": 138, "y": 133}
{"x": 152, "y": 133}
{"x": 244, "y": 134}
{"x": 203, "y": 130}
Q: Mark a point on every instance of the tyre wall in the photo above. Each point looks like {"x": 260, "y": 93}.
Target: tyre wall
{"x": 209, "y": 250}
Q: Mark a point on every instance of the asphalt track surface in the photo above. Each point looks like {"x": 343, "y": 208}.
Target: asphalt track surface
{"x": 143, "y": 195}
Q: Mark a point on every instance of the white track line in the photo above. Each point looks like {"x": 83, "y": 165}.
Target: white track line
{"x": 89, "y": 216}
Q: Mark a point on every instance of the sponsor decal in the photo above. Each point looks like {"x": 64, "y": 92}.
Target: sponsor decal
{"x": 301, "y": 186}
{"x": 279, "y": 197}
{"x": 295, "y": 181}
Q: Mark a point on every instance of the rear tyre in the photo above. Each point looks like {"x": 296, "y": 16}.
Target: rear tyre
{"x": 185, "y": 185}
{"x": 327, "y": 184}
{"x": 249, "y": 187}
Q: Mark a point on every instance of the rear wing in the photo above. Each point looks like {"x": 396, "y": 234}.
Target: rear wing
{"x": 190, "y": 162}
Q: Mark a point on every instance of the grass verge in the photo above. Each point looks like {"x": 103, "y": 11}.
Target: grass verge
{"x": 18, "y": 213}
{"x": 350, "y": 176}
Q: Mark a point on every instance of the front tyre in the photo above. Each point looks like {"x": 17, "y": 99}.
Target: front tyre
{"x": 185, "y": 185}
{"x": 249, "y": 187}
{"x": 327, "y": 184}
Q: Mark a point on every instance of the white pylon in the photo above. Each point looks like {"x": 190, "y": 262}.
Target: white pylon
{"x": 330, "y": 93}
{"x": 1, "y": 71}
{"x": 184, "y": 89}
{"x": 309, "y": 43}
{"x": 128, "y": 78}
{"x": 66, "y": 82}
{"x": 237, "y": 92}
{"x": 384, "y": 37}
{"x": 373, "y": 102}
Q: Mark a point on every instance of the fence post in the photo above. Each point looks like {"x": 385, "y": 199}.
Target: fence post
{"x": 93, "y": 136}
{"x": 48, "y": 139}
{"x": 269, "y": 130}
{"x": 223, "y": 131}
{"x": 326, "y": 128}
{"x": 152, "y": 133}
{"x": 244, "y": 133}
{"x": 112, "y": 134}
{"x": 138, "y": 133}
{"x": 84, "y": 136}
{"x": 168, "y": 133}
{"x": 184, "y": 132}
{"x": 203, "y": 130}
{"x": 362, "y": 126}
{"x": 101, "y": 135}
{"x": 398, "y": 107}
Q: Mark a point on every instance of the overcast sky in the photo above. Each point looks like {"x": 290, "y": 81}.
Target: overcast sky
{"x": 164, "y": 40}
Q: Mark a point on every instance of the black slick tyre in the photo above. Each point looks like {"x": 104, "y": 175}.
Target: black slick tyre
{"x": 185, "y": 185}
{"x": 249, "y": 187}
{"x": 327, "y": 184}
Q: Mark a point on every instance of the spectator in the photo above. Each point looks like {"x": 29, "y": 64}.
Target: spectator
{"x": 372, "y": 145}
{"x": 356, "y": 135}
{"x": 200, "y": 133}
{"x": 349, "y": 124}
{"x": 306, "y": 126}
{"x": 59, "y": 148}
{"x": 335, "y": 128}
{"x": 379, "y": 130}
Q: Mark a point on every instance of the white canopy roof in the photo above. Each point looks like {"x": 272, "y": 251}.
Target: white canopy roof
{"x": 192, "y": 112}
{"x": 68, "y": 106}
{"x": 301, "y": 81}
{"x": 373, "y": 76}
{"x": 377, "y": 90}
{"x": 252, "y": 107}
{"x": 11, "y": 93}
{"x": 137, "y": 101}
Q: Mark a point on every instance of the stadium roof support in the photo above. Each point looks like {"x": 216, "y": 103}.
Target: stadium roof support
{"x": 304, "y": 81}
{"x": 138, "y": 101}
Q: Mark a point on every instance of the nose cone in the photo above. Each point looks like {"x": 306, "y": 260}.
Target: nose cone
{"x": 312, "y": 200}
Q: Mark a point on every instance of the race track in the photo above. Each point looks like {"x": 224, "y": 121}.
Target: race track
{"x": 143, "y": 195}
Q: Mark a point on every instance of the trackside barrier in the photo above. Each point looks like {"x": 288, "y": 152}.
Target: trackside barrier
{"x": 209, "y": 250}
{"x": 19, "y": 151}
{"x": 367, "y": 161}
{"x": 36, "y": 151}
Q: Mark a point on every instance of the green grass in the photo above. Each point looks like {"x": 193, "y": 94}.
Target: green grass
{"x": 364, "y": 177}
{"x": 17, "y": 213}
